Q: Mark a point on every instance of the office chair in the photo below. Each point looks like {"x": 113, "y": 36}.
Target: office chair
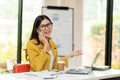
{"x": 26, "y": 54}
{"x": 18, "y": 68}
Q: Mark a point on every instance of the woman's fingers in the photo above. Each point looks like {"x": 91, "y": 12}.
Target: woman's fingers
{"x": 42, "y": 37}
{"x": 78, "y": 52}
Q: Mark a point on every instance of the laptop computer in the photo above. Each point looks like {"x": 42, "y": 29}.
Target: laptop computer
{"x": 83, "y": 70}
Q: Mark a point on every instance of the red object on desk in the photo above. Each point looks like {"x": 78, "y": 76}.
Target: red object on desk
{"x": 18, "y": 68}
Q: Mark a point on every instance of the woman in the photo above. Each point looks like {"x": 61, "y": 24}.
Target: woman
{"x": 42, "y": 51}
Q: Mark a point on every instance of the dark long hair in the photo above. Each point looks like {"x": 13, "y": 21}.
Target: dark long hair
{"x": 37, "y": 22}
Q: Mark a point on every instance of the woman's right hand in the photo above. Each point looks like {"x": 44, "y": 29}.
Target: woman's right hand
{"x": 43, "y": 39}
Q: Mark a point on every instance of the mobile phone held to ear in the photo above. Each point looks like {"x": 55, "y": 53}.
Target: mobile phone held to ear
{"x": 37, "y": 31}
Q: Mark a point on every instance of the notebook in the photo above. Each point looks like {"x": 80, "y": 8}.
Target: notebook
{"x": 83, "y": 70}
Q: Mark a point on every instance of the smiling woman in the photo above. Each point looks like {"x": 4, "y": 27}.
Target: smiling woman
{"x": 41, "y": 49}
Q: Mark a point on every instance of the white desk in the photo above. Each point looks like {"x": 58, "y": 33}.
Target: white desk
{"x": 95, "y": 75}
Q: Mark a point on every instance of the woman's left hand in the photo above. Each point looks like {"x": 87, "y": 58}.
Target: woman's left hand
{"x": 76, "y": 53}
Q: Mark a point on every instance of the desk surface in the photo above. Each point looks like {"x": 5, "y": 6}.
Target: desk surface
{"x": 43, "y": 75}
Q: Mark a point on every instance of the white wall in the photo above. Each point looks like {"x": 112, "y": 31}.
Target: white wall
{"x": 78, "y": 15}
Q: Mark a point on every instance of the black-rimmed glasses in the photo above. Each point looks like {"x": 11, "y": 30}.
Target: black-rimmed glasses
{"x": 49, "y": 25}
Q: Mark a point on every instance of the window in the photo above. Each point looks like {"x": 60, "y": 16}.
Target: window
{"x": 116, "y": 36}
{"x": 8, "y": 32}
{"x": 94, "y": 27}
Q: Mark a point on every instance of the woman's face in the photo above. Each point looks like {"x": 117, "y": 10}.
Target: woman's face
{"x": 46, "y": 27}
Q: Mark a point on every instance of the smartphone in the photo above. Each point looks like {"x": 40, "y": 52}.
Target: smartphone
{"x": 37, "y": 31}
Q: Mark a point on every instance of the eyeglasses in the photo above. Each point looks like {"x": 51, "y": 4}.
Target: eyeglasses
{"x": 49, "y": 25}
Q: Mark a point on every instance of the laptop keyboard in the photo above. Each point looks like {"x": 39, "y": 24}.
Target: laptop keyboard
{"x": 79, "y": 71}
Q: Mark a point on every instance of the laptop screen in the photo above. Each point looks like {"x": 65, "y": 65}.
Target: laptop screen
{"x": 95, "y": 59}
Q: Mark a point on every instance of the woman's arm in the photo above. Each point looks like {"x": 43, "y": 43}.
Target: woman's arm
{"x": 37, "y": 57}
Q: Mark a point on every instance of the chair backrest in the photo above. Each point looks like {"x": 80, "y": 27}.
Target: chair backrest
{"x": 18, "y": 68}
{"x": 26, "y": 54}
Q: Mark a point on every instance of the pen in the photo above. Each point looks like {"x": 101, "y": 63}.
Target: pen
{"x": 56, "y": 73}
{"x": 30, "y": 74}
{"x": 51, "y": 77}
